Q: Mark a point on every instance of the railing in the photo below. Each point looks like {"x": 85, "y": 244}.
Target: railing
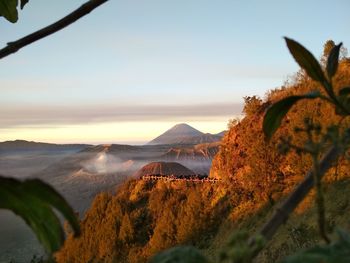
{"x": 195, "y": 179}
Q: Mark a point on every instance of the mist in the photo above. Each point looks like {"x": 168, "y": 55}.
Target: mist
{"x": 24, "y": 164}
{"x": 105, "y": 163}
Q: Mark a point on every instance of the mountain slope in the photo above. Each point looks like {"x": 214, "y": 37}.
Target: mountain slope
{"x": 198, "y": 157}
{"x": 221, "y": 134}
{"x": 176, "y": 134}
{"x": 199, "y": 152}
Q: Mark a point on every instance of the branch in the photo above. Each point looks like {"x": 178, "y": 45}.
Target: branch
{"x": 83, "y": 10}
{"x": 282, "y": 213}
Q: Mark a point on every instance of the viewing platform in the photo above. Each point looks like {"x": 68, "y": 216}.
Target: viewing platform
{"x": 195, "y": 179}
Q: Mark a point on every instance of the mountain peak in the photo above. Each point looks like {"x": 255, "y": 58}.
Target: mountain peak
{"x": 184, "y": 129}
{"x": 176, "y": 134}
{"x": 182, "y": 125}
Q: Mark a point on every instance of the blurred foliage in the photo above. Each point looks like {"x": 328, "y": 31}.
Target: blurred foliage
{"x": 336, "y": 252}
{"x": 8, "y": 9}
{"x": 34, "y": 201}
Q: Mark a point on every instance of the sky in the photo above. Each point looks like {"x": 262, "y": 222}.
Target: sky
{"x": 131, "y": 69}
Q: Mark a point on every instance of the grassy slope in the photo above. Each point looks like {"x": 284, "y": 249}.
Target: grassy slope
{"x": 300, "y": 231}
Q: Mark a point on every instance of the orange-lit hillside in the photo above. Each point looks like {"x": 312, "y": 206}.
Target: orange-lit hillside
{"x": 144, "y": 217}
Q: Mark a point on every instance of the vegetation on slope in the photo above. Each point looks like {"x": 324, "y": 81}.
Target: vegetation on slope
{"x": 146, "y": 217}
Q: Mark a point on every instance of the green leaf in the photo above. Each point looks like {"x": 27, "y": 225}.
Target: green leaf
{"x": 306, "y": 60}
{"x": 277, "y": 111}
{"x": 33, "y": 201}
{"x": 8, "y": 9}
{"x": 49, "y": 195}
{"x": 332, "y": 62}
{"x": 23, "y": 3}
{"x": 180, "y": 255}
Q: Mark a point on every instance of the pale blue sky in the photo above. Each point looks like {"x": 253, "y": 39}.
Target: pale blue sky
{"x": 144, "y": 63}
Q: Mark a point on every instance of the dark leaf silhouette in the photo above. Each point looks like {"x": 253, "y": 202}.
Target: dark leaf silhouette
{"x": 23, "y": 3}
{"x": 275, "y": 114}
{"x": 332, "y": 62}
{"x": 306, "y": 60}
{"x": 8, "y": 9}
{"x": 34, "y": 201}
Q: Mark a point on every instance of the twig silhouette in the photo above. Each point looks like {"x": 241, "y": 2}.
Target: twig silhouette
{"x": 83, "y": 10}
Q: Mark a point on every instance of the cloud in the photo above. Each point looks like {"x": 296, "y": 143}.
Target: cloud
{"x": 30, "y": 116}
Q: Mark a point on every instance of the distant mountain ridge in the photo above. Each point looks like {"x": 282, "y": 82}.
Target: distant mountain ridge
{"x": 23, "y": 145}
{"x": 185, "y": 134}
{"x": 202, "y": 152}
